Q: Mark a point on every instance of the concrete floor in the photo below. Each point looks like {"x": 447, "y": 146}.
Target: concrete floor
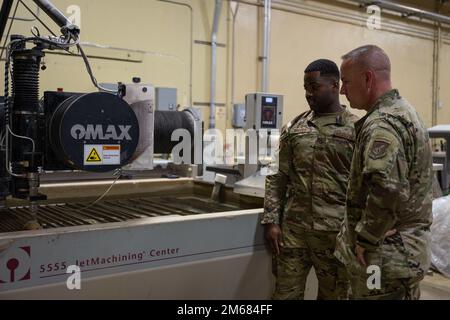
{"x": 434, "y": 287}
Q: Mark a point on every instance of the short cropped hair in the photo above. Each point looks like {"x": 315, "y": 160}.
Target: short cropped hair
{"x": 325, "y": 66}
{"x": 370, "y": 56}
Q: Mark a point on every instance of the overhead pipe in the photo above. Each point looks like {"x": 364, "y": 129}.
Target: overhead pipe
{"x": 342, "y": 17}
{"x": 266, "y": 46}
{"x": 335, "y": 16}
{"x": 191, "y": 42}
{"x": 233, "y": 52}
{"x": 215, "y": 27}
{"x": 57, "y": 16}
{"x": 436, "y": 67}
{"x": 406, "y": 11}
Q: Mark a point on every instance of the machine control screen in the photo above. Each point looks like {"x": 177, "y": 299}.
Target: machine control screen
{"x": 269, "y": 112}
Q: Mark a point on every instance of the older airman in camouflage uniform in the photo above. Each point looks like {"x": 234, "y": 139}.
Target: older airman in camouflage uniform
{"x": 389, "y": 199}
{"x": 306, "y": 197}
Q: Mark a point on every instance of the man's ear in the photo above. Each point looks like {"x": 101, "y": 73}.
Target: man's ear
{"x": 369, "y": 79}
{"x": 336, "y": 83}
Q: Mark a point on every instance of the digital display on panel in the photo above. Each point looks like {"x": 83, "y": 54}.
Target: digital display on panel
{"x": 268, "y": 116}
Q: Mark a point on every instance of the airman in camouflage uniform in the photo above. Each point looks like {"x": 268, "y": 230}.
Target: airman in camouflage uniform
{"x": 389, "y": 199}
{"x": 305, "y": 200}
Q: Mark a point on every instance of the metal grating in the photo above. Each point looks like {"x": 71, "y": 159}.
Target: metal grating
{"x": 77, "y": 214}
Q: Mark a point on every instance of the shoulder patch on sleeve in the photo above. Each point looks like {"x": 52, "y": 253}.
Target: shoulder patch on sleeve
{"x": 379, "y": 149}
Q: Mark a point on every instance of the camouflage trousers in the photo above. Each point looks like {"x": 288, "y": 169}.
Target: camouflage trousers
{"x": 389, "y": 289}
{"x": 292, "y": 266}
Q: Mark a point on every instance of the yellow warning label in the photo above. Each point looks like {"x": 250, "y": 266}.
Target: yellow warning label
{"x": 93, "y": 156}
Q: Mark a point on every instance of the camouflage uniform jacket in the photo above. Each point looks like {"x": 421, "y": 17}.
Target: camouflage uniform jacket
{"x": 314, "y": 163}
{"x": 389, "y": 188}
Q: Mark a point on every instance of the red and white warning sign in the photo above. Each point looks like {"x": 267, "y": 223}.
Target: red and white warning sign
{"x": 101, "y": 154}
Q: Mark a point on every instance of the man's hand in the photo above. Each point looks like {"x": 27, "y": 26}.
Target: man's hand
{"x": 359, "y": 251}
{"x": 390, "y": 233}
{"x": 274, "y": 237}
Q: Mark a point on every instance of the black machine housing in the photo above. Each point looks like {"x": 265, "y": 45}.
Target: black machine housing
{"x": 75, "y": 120}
